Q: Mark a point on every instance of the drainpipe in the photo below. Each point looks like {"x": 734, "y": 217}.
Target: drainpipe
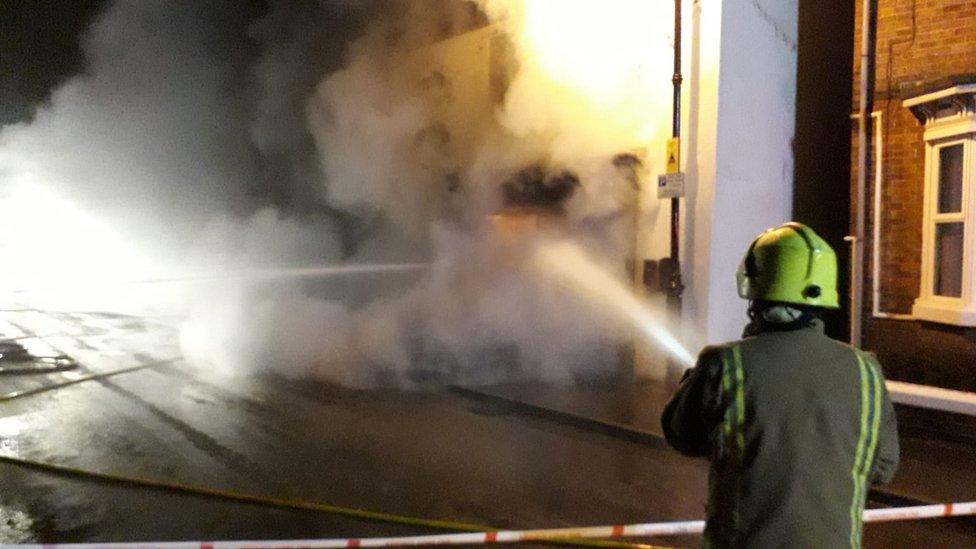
{"x": 675, "y": 286}
{"x": 865, "y": 106}
{"x": 876, "y": 311}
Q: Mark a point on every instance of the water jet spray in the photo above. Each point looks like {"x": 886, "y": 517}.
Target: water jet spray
{"x": 568, "y": 263}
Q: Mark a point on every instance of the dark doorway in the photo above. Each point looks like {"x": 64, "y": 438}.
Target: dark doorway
{"x": 822, "y": 143}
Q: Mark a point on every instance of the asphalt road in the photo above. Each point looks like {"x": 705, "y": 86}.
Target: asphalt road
{"x": 437, "y": 455}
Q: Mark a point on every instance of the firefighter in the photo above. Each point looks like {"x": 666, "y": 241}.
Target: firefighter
{"x": 797, "y": 426}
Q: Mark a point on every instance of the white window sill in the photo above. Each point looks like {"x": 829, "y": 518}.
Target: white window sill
{"x": 944, "y": 311}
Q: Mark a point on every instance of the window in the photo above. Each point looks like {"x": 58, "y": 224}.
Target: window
{"x": 949, "y": 222}
{"x": 948, "y": 282}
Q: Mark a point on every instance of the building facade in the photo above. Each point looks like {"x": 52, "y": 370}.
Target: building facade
{"x": 920, "y": 203}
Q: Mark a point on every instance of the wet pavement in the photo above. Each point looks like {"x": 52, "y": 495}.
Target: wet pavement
{"x": 435, "y": 455}
{"x": 441, "y": 455}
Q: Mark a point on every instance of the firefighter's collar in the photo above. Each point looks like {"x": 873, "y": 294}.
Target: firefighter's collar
{"x": 760, "y": 326}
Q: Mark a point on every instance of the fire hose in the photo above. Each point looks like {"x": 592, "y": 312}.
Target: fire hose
{"x": 81, "y": 379}
{"x": 286, "y": 503}
{"x": 471, "y": 534}
{"x": 51, "y": 365}
{"x": 244, "y": 497}
{"x": 514, "y": 536}
{"x": 25, "y": 363}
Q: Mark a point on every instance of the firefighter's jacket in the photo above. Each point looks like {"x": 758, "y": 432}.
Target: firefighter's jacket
{"x": 797, "y": 427}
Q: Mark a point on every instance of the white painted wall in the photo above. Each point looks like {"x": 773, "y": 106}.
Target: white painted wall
{"x": 754, "y": 158}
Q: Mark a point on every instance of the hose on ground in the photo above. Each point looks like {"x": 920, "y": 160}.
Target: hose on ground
{"x": 286, "y": 503}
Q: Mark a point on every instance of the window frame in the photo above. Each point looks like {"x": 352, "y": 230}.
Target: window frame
{"x": 942, "y": 132}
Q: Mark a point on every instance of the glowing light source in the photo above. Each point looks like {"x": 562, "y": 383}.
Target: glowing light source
{"x": 605, "y": 62}
{"x": 45, "y": 239}
{"x": 595, "y": 47}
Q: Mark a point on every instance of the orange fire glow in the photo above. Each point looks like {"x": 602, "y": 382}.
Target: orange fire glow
{"x": 606, "y": 62}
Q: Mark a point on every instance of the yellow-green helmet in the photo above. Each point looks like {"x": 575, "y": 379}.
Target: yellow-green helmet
{"x": 790, "y": 264}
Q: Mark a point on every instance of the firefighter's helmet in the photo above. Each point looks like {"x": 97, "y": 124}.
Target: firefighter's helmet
{"x": 790, "y": 264}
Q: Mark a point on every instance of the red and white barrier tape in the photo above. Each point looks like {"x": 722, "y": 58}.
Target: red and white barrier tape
{"x": 510, "y": 536}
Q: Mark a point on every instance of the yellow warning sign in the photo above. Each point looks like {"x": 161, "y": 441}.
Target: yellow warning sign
{"x": 674, "y": 155}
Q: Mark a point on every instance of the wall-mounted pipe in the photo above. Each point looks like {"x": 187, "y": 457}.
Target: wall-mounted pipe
{"x": 864, "y": 106}
{"x": 675, "y": 285}
{"x": 876, "y": 311}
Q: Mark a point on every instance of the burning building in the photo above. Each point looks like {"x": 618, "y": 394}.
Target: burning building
{"x": 590, "y": 114}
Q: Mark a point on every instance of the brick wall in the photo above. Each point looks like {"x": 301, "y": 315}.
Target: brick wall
{"x": 918, "y": 42}
{"x": 901, "y": 212}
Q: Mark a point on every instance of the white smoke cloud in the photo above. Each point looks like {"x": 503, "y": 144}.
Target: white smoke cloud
{"x": 154, "y": 134}
{"x": 211, "y": 140}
